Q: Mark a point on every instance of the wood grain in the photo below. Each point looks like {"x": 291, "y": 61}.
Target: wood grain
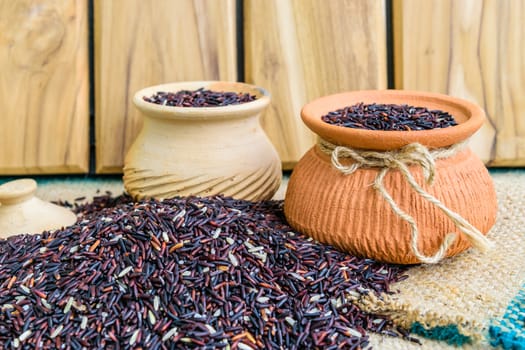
{"x": 303, "y": 49}
{"x": 473, "y": 50}
{"x": 139, "y": 43}
{"x": 44, "y": 112}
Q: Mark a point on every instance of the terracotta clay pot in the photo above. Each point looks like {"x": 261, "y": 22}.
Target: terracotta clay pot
{"x": 21, "y": 212}
{"x": 347, "y": 212}
{"x": 202, "y": 151}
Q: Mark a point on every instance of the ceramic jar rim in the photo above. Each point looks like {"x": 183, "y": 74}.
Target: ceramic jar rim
{"x": 470, "y": 118}
{"x": 199, "y": 113}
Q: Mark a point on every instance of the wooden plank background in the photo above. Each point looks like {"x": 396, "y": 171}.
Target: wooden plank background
{"x": 44, "y": 113}
{"x": 473, "y": 50}
{"x": 139, "y": 43}
{"x": 297, "y": 49}
{"x": 303, "y": 49}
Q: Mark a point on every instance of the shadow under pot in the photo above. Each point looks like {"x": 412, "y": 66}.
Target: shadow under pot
{"x": 202, "y": 150}
{"x": 405, "y": 197}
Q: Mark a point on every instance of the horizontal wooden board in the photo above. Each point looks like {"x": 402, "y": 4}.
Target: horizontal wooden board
{"x": 304, "y": 49}
{"x": 139, "y": 43}
{"x": 44, "y": 112}
{"x": 473, "y": 50}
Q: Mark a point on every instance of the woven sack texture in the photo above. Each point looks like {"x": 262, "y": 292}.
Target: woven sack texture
{"x": 473, "y": 300}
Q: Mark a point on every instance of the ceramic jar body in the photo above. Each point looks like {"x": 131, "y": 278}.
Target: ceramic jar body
{"x": 202, "y": 151}
{"x": 347, "y": 211}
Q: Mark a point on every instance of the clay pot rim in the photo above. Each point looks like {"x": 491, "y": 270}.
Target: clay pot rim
{"x": 199, "y": 113}
{"x": 470, "y": 118}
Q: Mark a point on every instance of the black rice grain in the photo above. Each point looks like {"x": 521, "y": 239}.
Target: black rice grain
{"x": 199, "y": 98}
{"x": 187, "y": 273}
{"x": 377, "y": 116}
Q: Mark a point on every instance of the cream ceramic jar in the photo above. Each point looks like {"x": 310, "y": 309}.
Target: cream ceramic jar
{"x": 202, "y": 151}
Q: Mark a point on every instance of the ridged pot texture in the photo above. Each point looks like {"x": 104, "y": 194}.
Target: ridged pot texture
{"x": 202, "y": 151}
{"x": 348, "y": 212}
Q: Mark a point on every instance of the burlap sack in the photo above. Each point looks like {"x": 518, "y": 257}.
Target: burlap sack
{"x": 474, "y": 300}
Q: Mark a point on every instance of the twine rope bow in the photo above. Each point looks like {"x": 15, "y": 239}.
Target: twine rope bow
{"x": 412, "y": 154}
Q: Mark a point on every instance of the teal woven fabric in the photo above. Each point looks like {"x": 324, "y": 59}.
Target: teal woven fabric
{"x": 509, "y": 331}
{"x": 449, "y": 334}
{"x": 506, "y": 333}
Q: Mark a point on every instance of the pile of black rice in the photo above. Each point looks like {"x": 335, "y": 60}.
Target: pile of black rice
{"x": 185, "y": 273}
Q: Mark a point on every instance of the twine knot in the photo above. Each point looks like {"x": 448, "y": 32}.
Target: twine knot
{"x": 401, "y": 159}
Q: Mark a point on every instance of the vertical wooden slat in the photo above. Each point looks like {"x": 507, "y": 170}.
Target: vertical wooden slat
{"x": 44, "y": 112}
{"x": 303, "y": 49}
{"x": 474, "y": 50}
{"x": 139, "y": 43}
